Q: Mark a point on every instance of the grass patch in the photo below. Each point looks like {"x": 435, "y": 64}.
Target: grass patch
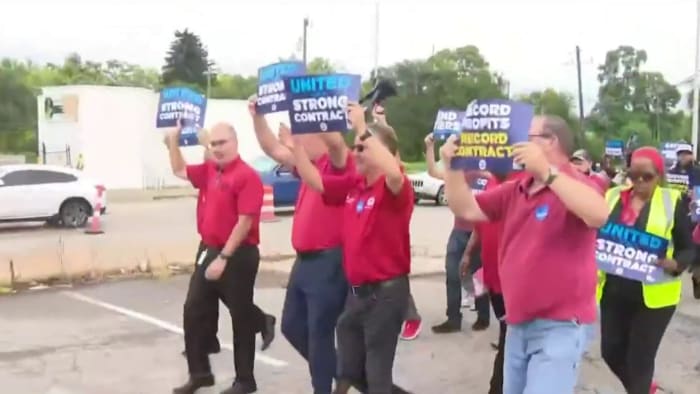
{"x": 414, "y": 166}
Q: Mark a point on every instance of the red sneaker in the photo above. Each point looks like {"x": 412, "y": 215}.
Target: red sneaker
{"x": 411, "y": 330}
{"x": 653, "y": 388}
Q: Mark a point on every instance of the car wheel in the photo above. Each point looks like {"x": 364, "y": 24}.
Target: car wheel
{"x": 74, "y": 213}
{"x": 440, "y": 198}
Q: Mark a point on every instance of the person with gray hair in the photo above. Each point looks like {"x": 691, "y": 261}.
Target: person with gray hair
{"x": 550, "y": 305}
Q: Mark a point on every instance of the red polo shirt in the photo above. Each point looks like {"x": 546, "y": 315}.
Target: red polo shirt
{"x": 307, "y": 234}
{"x": 546, "y": 253}
{"x": 232, "y": 191}
{"x": 200, "y": 209}
{"x": 376, "y": 240}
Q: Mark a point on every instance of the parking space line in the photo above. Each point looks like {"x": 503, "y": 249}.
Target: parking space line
{"x": 162, "y": 324}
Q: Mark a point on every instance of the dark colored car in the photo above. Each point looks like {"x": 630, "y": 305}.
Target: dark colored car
{"x": 284, "y": 184}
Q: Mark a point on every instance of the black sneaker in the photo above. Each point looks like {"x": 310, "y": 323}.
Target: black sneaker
{"x": 268, "y": 334}
{"x": 696, "y": 287}
{"x": 480, "y": 325}
{"x": 195, "y": 383}
{"x": 241, "y": 388}
{"x": 447, "y": 327}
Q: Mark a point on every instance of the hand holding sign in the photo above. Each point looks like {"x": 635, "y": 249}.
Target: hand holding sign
{"x": 530, "y": 156}
{"x": 449, "y": 150}
{"x": 252, "y": 105}
{"x": 429, "y": 141}
{"x": 356, "y": 116}
{"x": 669, "y": 265}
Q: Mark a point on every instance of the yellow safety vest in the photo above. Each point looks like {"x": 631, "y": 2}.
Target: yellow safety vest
{"x": 660, "y": 223}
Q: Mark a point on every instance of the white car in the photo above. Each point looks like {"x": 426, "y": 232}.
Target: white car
{"x": 425, "y": 187}
{"x": 57, "y": 195}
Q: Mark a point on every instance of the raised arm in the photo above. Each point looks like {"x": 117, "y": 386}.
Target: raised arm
{"x": 270, "y": 144}
{"x": 578, "y": 196}
{"x": 460, "y": 197}
{"x": 307, "y": 171}
{"x": 177, "y": 162}
{"x": 430, "y": 162}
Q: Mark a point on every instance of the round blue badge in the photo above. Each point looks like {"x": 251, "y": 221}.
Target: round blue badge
{"x": 541, "y": 212}
{"x": 360, "y": 206}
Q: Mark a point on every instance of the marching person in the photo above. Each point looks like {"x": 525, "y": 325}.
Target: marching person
{"x": 549, "y": 304}
{"x": 581, "y": 160}
{"x": 267, "y": 331}
{"x": 378, "y": 204}
{"x": 229, "y": 264}
{"x": 413, "y": 322}
{"x": 634, "y": 315}
{"x": 456, "y": 244}
{"x": 317, "y": 286}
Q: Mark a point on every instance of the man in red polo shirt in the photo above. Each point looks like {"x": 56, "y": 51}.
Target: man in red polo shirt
{"x": 546, "y": 256}
{"x": 317, "y": 287}
{"x": 228, "y": 266}
{"x": 581, "y": 160}
{"x": 378, "y": 203}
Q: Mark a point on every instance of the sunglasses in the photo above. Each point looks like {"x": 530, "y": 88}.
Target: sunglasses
{"x": 531, "y": 137}
{"x": 641, "y": 176}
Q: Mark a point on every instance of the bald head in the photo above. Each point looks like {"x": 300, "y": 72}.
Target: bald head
{"x": 556, "y": 128}
{"x": 223, "y": 143}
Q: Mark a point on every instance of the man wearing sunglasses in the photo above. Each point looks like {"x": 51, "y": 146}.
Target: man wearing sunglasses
{"x": 377, "y": 202}
{"x": 549, "y": 305}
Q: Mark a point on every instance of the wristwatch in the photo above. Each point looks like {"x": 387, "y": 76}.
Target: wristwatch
{"x": 551, "y": 175}
{"x": 368, "y": 133}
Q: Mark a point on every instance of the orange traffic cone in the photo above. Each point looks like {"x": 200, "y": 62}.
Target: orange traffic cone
{"x": 267, "y": 214}
{"x": 95, "y": 224}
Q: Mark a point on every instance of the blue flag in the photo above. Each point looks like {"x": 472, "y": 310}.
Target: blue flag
{"x": 490, "y": 128}
{"x": 614, "y": 148}
{"x": 318, "y": 103}
{"x": 630, "y": 253}
{"x": 271, "y": 93}
{"x": 182, "y": 103}
{"x": 447, "y": 122}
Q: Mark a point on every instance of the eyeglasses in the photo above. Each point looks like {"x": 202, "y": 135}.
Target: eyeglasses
{"x": 215, "y": 143}
{"x": 641, "y": 176}
{"x": 358, "y": 148}
{"x": 531, "y": 137}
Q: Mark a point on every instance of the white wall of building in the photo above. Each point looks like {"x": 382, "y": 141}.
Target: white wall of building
{"x": 115, "y": 133}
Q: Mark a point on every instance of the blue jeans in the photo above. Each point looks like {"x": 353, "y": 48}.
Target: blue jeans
{"x": 315, "y": 298}
{"x": 453, "y": 283}
{"x": 543, "y": 356}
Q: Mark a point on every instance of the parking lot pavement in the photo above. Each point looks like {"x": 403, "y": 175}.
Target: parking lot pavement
{"x": 159, "y": 233}
{"x": 124, "y": 337}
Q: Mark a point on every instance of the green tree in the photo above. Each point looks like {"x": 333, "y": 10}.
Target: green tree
{"x": 630, "y": 98}
{"x": 320, "y": 65}
{"x": 450, "y": 78}
{"x": 187, "y": 61}
{"x": 234, "y": 87}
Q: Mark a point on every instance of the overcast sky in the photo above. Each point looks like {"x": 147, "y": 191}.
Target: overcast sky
{"x": 532, "y": 42}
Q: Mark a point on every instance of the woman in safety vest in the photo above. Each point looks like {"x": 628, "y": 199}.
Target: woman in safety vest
{"x": 634, "y": 315}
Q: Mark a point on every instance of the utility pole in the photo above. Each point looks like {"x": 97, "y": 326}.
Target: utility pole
{"x": 376, "y": 39}
{"x": 306, "y": 27}
{"x": 580, "y": 88}
{"x": 696, "y": 83}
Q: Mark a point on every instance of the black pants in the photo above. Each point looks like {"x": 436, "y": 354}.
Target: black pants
{"x": 630, "y": 334}
{"x": 211, "y": 323}
{"x": 499, "y": 309}
{"x": 368, "y": 331}
{"x": 235, "y": 289}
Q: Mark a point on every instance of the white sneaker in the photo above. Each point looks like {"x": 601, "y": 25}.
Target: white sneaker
{"x": 467, "y": 301}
